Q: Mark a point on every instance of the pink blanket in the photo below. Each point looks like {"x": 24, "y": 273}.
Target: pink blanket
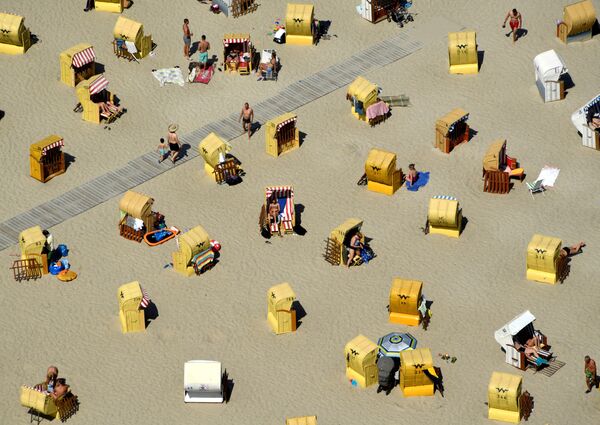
{"x": 378, "y": 109}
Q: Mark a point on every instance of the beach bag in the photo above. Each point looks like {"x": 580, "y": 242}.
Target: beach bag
{"x": 279, "y": 37}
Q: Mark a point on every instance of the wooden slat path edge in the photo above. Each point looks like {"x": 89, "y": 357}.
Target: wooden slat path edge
{"x": 145, "y": 167}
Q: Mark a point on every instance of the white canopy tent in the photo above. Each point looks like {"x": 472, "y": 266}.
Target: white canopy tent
{"x": 203, "y": 381}
{"x": 581, "y": 120}
{"x": 549, "y": 67}
{"x": 504, "y": 336}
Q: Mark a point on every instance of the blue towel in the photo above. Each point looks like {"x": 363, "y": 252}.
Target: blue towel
{"x": 422, "y": 180}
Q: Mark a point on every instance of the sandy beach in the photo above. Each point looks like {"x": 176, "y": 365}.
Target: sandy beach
{"x": 477, "y": 282}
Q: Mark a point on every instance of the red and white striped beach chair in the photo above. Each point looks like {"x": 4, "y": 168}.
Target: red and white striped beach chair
{"x": 285, "y": 197}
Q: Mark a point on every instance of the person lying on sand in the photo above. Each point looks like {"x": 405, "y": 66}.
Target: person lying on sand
{"x": 572, "y": 250}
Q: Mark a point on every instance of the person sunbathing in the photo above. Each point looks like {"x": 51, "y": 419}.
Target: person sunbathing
{"x": 61, "y": 388}
{"x": 355, "y": 248}
{"x": 411, "y": 176}
{"x": 270, "y": 66}
{"x": 50, "y": 381}
{"x": 274, "y": 211}
{"x": 109, "y": 108}
{"x": 572, "y": 250}
{"x": 531, "y": 351}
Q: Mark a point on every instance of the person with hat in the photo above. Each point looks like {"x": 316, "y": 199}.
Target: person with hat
{"x": 174, "y": 143}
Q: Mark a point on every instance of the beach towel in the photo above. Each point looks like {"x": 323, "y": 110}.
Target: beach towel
{"x": 205, "y": 75}
{"x": 548, "y": 175}
{"x": 422, "y": 180}
{"x": 169, "y": 75}
{"x": 376, "y": 110}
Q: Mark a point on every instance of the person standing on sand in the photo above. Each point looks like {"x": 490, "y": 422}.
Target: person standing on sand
{"x": 515, "y": 23}
{"x": 248, "y": 115}
{"x": 591, "y": 378}
{"x": 187, "y": 38}
{"x": 203, "y": 48}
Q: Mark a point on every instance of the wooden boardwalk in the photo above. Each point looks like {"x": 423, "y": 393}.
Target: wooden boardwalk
{"x": 145, "y": 167}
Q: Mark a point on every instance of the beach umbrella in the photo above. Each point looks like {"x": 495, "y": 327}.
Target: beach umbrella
{"x": 393, "y": 343}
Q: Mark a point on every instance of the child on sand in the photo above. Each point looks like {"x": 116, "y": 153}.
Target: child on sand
{"x": 162, "y": 149}
{"x": 411, "y": 176}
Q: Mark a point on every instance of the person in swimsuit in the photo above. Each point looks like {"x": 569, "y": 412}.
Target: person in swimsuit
{"x": 515, "y": 22}
{"x": 203, "y": 48}
{"x": 187, "y": 38}
{"x": 591, "y": 377}
{"x": 174, "y": 144}
{"x": 61, "y": 388}
{"x": 355, "y": 247}
{"x": 162, "y": 149}
{"x": 572, "y": 250}
{"x": 274, "y": 211}
{"x": 248, "y": 115}
{"x": 411, "y": 176}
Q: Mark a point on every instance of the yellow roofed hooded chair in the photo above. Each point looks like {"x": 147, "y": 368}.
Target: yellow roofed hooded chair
{"x": 417, "y": 375}
{"x": 361, "y": 361}
{"x": 462, "y": 53}
{"x": 113, "y": 6}
{"x": 92, "y": 91}
{"x": 506, "y": 401}
{"x": 338, "y": 242}
{"x": 444, "y": 216}
{"x": 382, "y": 175}
{"x": 280, "y": 312}
{"x": 544, "y": 263}
{"x": 577, "y": 23}
{"x": 299, "y": 24}
{"x": 217, "y": 164}
{"x": 15, "y": 39}
{"x": 136, "y": 217}
{"x": 46, "y": 158}
{"x": 77, "y": 63}
{"x": 451, "y": 130}
{"x": 195, "y": 254}
{"x": 362, "y": 94}
{"x": 129, "y": 39}
{"x": 282, "y": 135}
{"x": 302, "y": 420}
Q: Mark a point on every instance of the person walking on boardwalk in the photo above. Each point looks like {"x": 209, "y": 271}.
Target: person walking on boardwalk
{"x": 187, "y": 38}
{"x": 515, "y": 23}
{"x": 174, "y": 143}
{"x": 247, "y": 115}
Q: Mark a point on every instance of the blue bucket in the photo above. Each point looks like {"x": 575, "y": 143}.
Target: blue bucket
{"x": 55, "y": 268}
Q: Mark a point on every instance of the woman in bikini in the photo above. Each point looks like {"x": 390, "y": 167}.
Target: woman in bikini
{"x": 174, "y": 144}
{"x": 515, "y": 22}
{"x": 572, "y": 250}
{"x": 355, "y": 247}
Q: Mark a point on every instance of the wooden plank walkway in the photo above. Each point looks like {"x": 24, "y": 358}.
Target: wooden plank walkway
{"x": 146, "y": 167}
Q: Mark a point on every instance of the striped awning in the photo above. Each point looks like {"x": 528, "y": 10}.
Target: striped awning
{"x": 145, "y": 298}
{"x": 281, "y": 124}
{"x": 235, "y": 40}
{"x": 52, "y": 146}
{"x": 446, "y": 197}
{"x": 461, "y": 119}
{"x": 84, "y": 57}
{"x": 100, "y": 84}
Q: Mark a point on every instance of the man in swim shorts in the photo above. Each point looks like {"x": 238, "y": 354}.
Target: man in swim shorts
{"x": 515, "y": 22}
{"x": 187, "y": 38}
{"x": 203, "y": 48}
{"x": 248, "y": 115}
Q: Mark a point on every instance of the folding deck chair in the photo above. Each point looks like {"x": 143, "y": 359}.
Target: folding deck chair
{"x": 535, "y": 187}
